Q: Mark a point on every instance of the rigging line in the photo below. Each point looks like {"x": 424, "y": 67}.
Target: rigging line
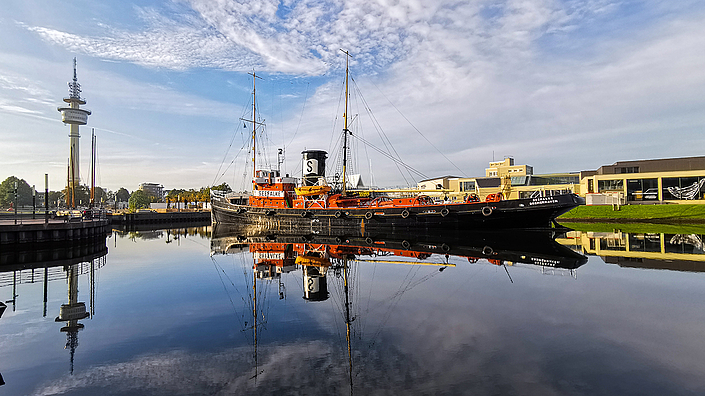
{"x": 227, "y": 293}
{"x": 380, "y": 130}
{"x": 335, "y": 119}
{"x": 417, "y": 130}
{"x": 303, "y": 108}
{"x": 369, "y": 296}
{"x": 228, "y": 167}
{"x": 394, "y": 301}
{"x": 390, "y": 156}
{"x": 397, "y": 298}
{"x": 232, "y": 140}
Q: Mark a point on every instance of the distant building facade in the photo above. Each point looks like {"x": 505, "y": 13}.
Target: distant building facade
{"x": 153, "y": 189}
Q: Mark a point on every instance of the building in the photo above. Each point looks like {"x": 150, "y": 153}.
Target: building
{"x": 671, "y": 180}
{"x": 513, "y": 181}
{"x": 507, "y": 167}
{"x": 660, "y": 180}
{"x": 153, "y": 189}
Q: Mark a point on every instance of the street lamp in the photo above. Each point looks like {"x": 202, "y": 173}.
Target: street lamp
{"x": 34, "y": 201}
{"x": 15, "y": 202}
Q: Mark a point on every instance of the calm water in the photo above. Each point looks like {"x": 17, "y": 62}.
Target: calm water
{"x": 172, "y": 314}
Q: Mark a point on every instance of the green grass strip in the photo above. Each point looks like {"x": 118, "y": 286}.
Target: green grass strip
{"x": 641, "y": 213}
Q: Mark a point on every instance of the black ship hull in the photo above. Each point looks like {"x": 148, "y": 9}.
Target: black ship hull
{"x": 510, "y": 214}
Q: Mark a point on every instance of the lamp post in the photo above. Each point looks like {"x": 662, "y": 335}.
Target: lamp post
{"x": 15, "y": 202}
{"x": 46, "y": 198}
{"x": 34, "y": 202}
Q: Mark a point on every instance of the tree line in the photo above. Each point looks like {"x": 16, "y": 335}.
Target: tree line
{"x": 136, "y": 200}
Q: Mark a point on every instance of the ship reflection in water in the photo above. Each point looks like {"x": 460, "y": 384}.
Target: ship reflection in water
{"x": 330, "y": 258}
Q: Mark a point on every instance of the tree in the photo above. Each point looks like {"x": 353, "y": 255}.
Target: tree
{"x": 82, "y": 195}
{"x": 222, "y": 187}
{"x": 7, "y": 192}
{"x": 122, "y": 195}
{"x": 138, "y": 200}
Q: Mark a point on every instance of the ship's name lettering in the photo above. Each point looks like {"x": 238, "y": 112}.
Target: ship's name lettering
{"x": 545, "y": 262}
{"x": 543, "y": 201}
{"x": 268, "y": 193}
{"x": 268, "y": 256}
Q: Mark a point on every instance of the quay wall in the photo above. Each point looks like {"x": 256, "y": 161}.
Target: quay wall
{"x": 53, "y": 231}
{"x": 31, "y": 231}
{"x": 160, "y": 218}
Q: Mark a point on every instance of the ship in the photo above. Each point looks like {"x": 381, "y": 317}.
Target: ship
{"x": 284, "y": 202}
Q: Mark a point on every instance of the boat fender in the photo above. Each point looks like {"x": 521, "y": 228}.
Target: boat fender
{"x": 444, "y": 212}
{"x": 445, "y": 247}
{"x": 368, "y": 215}
{"x": 405, "y": 244}
{"x": 486, "y": 211}
{"x": 369, "y": 241}
{"x": 338, "y": 214}
{"x": 487, "y": 251}
{"x": 304, "y": 214}
{"x": 405, "y": 213}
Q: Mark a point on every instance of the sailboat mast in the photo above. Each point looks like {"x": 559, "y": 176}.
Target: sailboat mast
{"x": 345, "y": 127}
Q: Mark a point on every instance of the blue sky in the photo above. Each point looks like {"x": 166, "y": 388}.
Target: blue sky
{"x": 559, "y": 85}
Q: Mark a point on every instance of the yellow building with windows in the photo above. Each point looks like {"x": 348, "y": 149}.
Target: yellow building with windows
{"x": 669, "y": 180}
{"x": 513, "y": 181}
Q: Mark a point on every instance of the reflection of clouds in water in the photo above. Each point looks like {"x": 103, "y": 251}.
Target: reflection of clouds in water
{"x": 487, "y": 364}
{"x": 304, "y": 367}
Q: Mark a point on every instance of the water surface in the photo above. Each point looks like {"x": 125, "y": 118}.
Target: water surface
{"x": 174, "y": 313}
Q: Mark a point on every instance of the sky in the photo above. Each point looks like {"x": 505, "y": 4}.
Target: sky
{"x": 444, "y": 86}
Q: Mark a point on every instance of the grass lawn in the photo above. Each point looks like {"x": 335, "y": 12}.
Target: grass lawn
{"x": 638, "y": 213}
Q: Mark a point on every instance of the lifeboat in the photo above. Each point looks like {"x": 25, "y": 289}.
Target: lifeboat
{"x": 305, "y": 191}
{"x": 312, "y": 261}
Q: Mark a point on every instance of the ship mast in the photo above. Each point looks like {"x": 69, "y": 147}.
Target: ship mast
{"x": 345, "y": 118}
{"x": 348, "y": 320}
{"x": 254, "y": 128}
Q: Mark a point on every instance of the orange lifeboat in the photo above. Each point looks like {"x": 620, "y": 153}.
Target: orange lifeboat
{"x": 305, "y": 191}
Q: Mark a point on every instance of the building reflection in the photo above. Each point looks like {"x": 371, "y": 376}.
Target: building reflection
{"x": 665, "y": 251}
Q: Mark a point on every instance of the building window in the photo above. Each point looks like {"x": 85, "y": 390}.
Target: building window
{"x": 683, "y": 188}
{"x": 681, "y": 243}
{"x": 628, "y": 169}
{"x": 610, "y": 185}
{"x": 467, "y": 186}
{"x": 642, "y": 189}
{"x": 644, "y": 242}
